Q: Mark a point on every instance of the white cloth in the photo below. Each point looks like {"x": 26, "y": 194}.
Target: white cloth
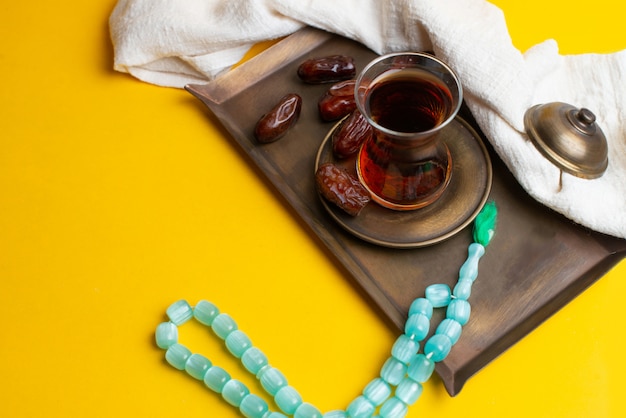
{"x": 176, "y": 42}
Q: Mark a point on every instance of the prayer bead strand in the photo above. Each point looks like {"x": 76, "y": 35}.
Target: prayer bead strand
{"x": 387, "y": 396}
{"x": 217, "y": 379}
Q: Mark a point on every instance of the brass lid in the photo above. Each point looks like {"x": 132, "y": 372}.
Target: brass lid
{"x": 569, "y": 138}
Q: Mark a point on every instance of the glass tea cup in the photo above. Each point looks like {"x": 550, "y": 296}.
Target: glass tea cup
{"x": 407, "y": 98}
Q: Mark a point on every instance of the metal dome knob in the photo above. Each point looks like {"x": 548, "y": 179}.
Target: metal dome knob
{"x": 568, "y": 137}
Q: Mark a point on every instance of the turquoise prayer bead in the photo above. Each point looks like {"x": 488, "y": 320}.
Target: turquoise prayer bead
{"x": 288, "y": 399}
{"x": 272, "y": 380}
{"x": 180, "y": 312}
{"x": 423, "y": 306}
{"x": 166, "y": 335}
{"x": 408, "y": 391}
{"x": 459, "y": 310}
{"x": 361, "y": 408}
{"x": 254, "y": 360}
{"x": 234, "y": 391}
{"x": 223, "y": 325}
{"x": 237, "y": 343}
{"x": 215, "y": 378}
{"x": 463, "y": 289}
{"x": 205, "y": 312}
{"x": 197, "y": 366}
{"x": 469, "y": 269}
{"x": 377, "y": 391}
{"x": 336, "y": 414}
{"x": 417, "y": 326}
{"x": 439, "y": 295}
{"x": 306, "y": 410}
{"x": 451, "y": 328}
{"x": 421, "y": 368}
{"x": 393, "y": 371}
{"x": 177, "y": 356}
{"x": 438, "y": 347}
{"x": 253, "y": 406}
{"x": 393, "y": 408}
{"x": 405, "y": 348}
{"x": 276, "y": 415}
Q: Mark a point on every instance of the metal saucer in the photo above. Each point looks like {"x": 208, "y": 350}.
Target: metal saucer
{"x": 461, "y": 202}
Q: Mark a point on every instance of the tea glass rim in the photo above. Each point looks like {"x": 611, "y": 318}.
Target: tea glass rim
{"x": 399, "y": 134}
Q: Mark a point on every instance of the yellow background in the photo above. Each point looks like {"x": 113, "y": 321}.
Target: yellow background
{"x": 118, "y": 198}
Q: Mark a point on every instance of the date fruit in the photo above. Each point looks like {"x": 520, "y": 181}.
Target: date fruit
{"x": 275, "y": 124}
{"x": 338, "y": 101}
{"x": 349, "y": 136}
{"x": 341, "y": 188}
{"x": 327, "y": 69}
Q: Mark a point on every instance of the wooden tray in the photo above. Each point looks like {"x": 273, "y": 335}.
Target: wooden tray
{"x": 537, "y": 262}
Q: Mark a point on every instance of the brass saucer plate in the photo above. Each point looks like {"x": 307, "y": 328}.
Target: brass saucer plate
{"x": 457, "y": 207}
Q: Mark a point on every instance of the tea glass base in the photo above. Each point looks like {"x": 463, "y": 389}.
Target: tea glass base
{"x": 417, "y": 203}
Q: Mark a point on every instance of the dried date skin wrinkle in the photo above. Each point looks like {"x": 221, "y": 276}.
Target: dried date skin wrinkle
{"x": 338, "y": 101}
{"x": 275, "y": 124}
{"x": 327, "y": 69}
{"x": 342, "y": 189}
{"x": 352, "y": 132}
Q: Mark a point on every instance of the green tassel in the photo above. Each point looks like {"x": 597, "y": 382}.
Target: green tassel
{"x": 485, "y": 224}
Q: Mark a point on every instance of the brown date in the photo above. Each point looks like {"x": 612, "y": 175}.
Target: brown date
{"x": 327, "y": 69}
{"x": 341, "y": 188}
{"x": 349, "y": 136}
{"x": 338, "y": 101}
{"x": 275, "y": 124}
